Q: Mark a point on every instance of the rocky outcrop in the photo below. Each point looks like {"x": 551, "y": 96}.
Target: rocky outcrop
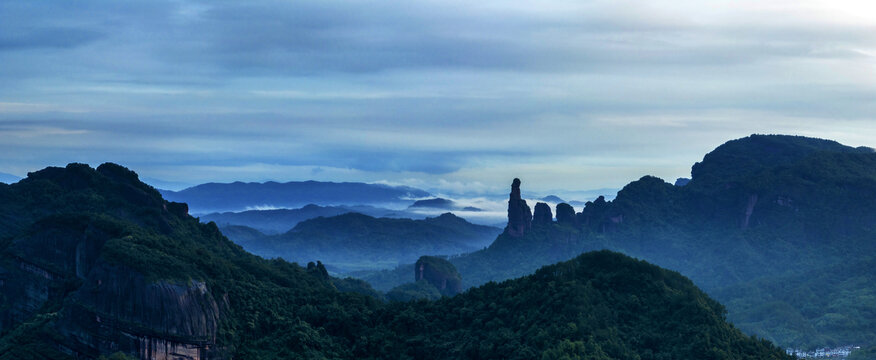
{"x": 597, "y": 215}
{"x": 107, "y": 308}
{"x": 117, "y": 309}
{"x": 542, "y": 215}
{"x": 440, "y": 273}
{"x": 318, "y": 269}
{"x": 178, "y": 209}
{"x": 519, "y": 215}
{"x": 53, "y": 253}
{"x": 566, "y": 214}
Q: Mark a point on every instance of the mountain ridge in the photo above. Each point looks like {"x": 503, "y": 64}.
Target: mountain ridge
{"x": 812, "y": 206}
{"x": 116, "y": 268}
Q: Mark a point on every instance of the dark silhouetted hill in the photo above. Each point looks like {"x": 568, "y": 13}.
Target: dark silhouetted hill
{"x": 279, "y": 221}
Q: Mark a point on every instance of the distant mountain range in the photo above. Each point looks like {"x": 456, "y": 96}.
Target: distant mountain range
{"x": 441, "y": 204}
{"x": 353, "y": 241}
{"x": 779, "y": 227}
{"x": 8, "y": 178}
{"x": 282, "y": 220}
{"x": 240, "y": 196}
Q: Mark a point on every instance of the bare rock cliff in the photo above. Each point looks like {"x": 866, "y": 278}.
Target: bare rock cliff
{"x": 519, "y": 214}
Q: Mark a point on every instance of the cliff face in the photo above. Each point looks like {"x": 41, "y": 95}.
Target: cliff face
{"x": 566, "y": 214}
{"x": 54, "y": 254}
{"x": 57, "y": 264}
{"x": 117, "y": 309}
{"x": 440, "y": 273}
{"x": 519, "y": 215}
{"x": 543, "y": 215}
{"x": 106, "y": 308}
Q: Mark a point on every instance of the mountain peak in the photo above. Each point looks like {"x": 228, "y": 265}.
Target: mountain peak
{"x": 749, "y": 155}
{"x": 519, "y": 214}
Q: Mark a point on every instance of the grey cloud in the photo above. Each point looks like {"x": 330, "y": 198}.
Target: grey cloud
{"x": 314, "y": 37}
{"x": 55, "y": 37}
{"x": 310, "y": 38}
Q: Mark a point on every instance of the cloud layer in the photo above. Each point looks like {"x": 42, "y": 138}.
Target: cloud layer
{"x": 566, "y": 95}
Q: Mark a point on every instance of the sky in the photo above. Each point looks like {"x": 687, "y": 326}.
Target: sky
{"x": 449, "y": 96}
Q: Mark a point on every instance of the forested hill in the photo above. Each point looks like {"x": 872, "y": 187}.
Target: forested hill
{"x": 600, "y": 305}
{"x": 763, "y": 217}
{"x": 742, "y": 158}
{"x": 111, "y": 267}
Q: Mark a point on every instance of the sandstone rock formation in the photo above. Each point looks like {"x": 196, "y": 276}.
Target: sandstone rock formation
{"x": 542, "y": 215}
{"x": 593, "y": 212}
{"x": 104, "y": 306}
{"x": 519, "y": 215}
{"x": 119, "y": 310}
{"x": 565, "y": 214}
{"x": 440, "y": 273}
{"x": 319, "y": 269}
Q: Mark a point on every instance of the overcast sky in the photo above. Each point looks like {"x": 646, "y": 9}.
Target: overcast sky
{"x": 453, "y": 95}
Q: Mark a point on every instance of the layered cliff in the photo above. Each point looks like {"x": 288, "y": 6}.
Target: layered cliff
{"x": 519, "y": 214}
{"x": 440, "y": 273}
{"x": 63, "y": 259}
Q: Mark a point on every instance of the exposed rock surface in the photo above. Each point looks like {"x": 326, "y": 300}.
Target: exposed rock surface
{"x": 56, "y": 263}
{"x": 440, "y": 273}
{"x": 593, "y": 214}
{"x": 319, "y": 269}
{"x": 117, "y": 309}
{"x": 114, "y": 308}
{"x": 519, "y": 215}
{"x": 566, "y": 214}
{"x": 542, "y": 215}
